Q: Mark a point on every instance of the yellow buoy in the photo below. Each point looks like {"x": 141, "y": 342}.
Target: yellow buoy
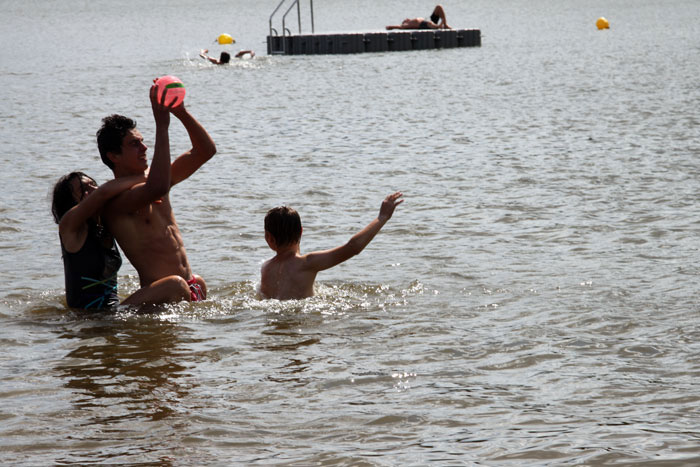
{"x": 226, "y": 39}
{"x": 602, "y": 23}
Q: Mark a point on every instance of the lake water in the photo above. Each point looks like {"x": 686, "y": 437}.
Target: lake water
{"x": 534, "y": 301}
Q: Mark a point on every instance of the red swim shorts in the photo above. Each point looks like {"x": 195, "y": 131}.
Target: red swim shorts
{"x": 196, "y": 292}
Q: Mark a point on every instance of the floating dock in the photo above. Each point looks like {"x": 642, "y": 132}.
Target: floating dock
{"x": 389, "y": 41}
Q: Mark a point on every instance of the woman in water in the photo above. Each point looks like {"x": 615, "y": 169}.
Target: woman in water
{"x": 91, "y": 259}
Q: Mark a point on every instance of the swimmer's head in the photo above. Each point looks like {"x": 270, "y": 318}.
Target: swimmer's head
{"x": 111, "y": 134}
{"x": 284, "y": 224}
{"x": 225, "y": 57}
{"x": 69, "y": 191}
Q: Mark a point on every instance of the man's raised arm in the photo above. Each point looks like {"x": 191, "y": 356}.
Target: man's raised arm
{"x": 203, "y": 147}
{"x": 159, "y": 178}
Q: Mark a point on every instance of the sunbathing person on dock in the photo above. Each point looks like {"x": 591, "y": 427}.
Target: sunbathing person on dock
{"x": 437, "y": 21}
{"x": 141, "y": 218}
{"x": 225, "y": 57}
{"x": 291, "y": 275}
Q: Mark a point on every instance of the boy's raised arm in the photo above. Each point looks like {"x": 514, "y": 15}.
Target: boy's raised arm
{"x": 321, "y": 260}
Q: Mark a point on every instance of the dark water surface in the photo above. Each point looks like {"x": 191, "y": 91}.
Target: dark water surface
{"x": 534, "y": 301}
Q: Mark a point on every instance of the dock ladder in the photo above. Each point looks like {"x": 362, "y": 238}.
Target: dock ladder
{"x": 276, "y": 44}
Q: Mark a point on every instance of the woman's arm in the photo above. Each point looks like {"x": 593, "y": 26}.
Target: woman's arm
{"x": 73, "y": 224}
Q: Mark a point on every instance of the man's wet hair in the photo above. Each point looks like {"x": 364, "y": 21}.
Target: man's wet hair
{"x": 111, "y": 135}
{"x": 225, "y": 57}
{"x": 63, "y": 198}
{"x": 284, "y": 224}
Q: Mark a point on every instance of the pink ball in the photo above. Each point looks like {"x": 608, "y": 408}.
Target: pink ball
{"x": 176, "y": 90}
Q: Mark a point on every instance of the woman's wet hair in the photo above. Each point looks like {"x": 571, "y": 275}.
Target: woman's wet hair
{"x": 284, "y": 224}
{"x": 63, "y": 197}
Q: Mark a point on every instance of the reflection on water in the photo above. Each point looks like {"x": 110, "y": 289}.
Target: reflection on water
{"x": 127, "y": 375}
{"x": 125, "y": 368}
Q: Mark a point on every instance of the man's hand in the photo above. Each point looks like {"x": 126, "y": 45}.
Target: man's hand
{"x": 161, "y": 112}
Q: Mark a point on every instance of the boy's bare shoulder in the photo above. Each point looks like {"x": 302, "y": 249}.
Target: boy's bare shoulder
{"x": 285, "y": 262}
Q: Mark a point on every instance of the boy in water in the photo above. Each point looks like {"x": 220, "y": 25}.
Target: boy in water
{"x": 291, "y": 275}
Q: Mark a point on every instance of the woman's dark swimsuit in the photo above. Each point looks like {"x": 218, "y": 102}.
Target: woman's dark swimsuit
{"x": 91, "y": 272}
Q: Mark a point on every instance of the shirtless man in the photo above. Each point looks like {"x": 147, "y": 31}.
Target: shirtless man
{"x": 291, "y": 275}
{"x": 141, "y": 219}
{"x": 437, "y": 21}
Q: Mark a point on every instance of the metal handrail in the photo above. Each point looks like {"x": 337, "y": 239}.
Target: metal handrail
{"x": 285, "y": 30}
{"x": 273, "y": 14}
{"x": 296, "y": 2}
{"x": 311, "y": 3}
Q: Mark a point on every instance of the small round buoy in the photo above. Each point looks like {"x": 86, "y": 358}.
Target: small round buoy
{"x": 602, "y": 23}
{"x": 226, "y": 39}
{"x": 176, "y": 90}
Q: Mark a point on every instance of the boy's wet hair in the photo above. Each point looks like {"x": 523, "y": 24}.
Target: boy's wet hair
{"x": 63, "y": 198}
{"x": 111, "y": 134}
{"x": 225, "y": 57}
{"x": 284, "y": 224}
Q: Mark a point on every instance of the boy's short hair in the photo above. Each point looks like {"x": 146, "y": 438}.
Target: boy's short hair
{"x": 284, "y": 224}
{"x": 111, "y": 135}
